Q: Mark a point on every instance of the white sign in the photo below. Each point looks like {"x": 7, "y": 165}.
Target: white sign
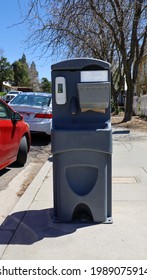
{"x": 94, "y": 76}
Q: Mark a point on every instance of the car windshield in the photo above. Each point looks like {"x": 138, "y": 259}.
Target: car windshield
{"x": 32, "y": 100}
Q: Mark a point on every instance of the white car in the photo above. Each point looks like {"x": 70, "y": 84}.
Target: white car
{"x": 36, "y": 109}
{"x": 10, "y": 95}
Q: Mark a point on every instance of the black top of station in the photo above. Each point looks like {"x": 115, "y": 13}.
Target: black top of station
{"x": 81, "y": 64}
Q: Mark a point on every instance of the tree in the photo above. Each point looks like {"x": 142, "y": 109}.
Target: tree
{"x": 45, "y": 85}
{"x": 113, "y": 30}
{"x": 126, "y": 22}
{"x": 33, "y": 74}
{"x": 23, "y": 60}
{"x": 21, "y": 72}
{"x": 6, "y": 72}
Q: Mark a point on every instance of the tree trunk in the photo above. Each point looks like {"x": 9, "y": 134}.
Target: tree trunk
{"x": 116, "y": 111}
{"x": 129, "y": 103}
{"x": 1, "y": 86}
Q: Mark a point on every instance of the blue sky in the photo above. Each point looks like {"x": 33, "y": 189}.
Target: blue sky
{"x": 12, "y": 38}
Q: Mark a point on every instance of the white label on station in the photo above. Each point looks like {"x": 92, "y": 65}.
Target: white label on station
{"x": 94, "y": 76}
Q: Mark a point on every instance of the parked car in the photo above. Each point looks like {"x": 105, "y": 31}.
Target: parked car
{"x": 36, "y": 108}
{"x": 14, "y": 137}
{"x": 11, "y": 94}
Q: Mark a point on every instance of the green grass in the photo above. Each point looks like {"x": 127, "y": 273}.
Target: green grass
{"x": 2, "y": 93}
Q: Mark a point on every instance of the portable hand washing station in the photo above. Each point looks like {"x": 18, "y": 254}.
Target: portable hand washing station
{"x": 81, "y": 140}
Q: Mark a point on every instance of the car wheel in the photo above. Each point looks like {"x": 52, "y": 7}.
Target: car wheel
{"x": 22, "y": 152}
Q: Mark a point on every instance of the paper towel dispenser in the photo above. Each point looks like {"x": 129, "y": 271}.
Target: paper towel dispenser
{"x": 94, "y": 96}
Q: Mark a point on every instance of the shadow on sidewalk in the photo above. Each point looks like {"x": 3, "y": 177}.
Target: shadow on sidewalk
{"x": 125, "y": 131}
{"x": 28, "y": 227}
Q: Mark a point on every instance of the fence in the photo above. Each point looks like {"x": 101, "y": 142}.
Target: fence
{"x": 140, "y": 105}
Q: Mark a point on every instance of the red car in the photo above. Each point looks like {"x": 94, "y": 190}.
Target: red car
{"x": 14, "y": 137}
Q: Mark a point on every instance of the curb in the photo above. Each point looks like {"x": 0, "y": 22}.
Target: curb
{"x": 27, "y": 198}
{"x": 14, "y": 218}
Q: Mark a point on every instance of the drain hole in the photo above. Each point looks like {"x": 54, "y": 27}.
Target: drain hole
{"x": 82, "y": 213}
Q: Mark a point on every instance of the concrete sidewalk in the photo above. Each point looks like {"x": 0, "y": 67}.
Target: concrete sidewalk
{"x": 30, "y": 233}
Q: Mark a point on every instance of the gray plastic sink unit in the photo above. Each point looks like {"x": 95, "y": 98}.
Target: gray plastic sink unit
{"x": 81, "y": 141}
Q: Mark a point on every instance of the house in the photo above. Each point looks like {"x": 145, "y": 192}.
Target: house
{"x": 6, "y": 87}
{"x": 140, "y": 100}
{"x": 141, "y": 82}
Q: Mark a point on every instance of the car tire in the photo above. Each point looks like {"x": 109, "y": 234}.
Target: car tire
{"x": 22, "y": 152}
